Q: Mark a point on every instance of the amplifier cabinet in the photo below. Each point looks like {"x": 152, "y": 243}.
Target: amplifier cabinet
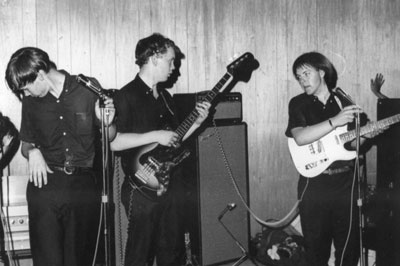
{"x": 210, "y": 188}
{"x": 388, "y": 187}
{"x": 226, "y": 107}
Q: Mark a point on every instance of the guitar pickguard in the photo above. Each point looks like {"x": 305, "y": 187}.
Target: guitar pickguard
{"x": 152, "y": 166}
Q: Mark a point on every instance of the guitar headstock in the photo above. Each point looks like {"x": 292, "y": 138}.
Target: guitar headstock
{"x": 242, "y": 67}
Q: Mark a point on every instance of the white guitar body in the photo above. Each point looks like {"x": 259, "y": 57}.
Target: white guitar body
{"x": 312, "y": 159}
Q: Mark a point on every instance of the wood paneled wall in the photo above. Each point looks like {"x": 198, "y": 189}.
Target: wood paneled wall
{"x": 98, "y": 38}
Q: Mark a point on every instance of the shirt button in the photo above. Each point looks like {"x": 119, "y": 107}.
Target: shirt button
{"x": 57, "y": 101}
{"x": 161, "y": 116}
{"x": 64, "y": 133}
{"x": 67, "y": 150}
{"x": 61, "y": 117}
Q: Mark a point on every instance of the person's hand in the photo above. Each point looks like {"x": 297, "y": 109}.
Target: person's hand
{"x": 168, "y": 138}
{"x": 7, "y": 140}
{"x": 109, "y": 110}
{"x": 346, "y": 115}
{"x": 38, "y": 168}
{"x": 376, "y": 85}
{"x": 203, "y": 109}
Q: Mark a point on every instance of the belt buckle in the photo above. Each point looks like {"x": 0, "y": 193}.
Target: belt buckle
{"x": 69, "y": 170}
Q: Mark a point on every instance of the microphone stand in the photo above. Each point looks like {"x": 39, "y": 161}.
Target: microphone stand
{"x": 347, "y": 98}
{"x": 360, "y": 182}
{"x": 104, "y": 114}
{"x": 245, "y": 254}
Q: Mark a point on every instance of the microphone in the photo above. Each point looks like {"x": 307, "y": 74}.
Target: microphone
{"x": 340, "y": 93}
{"x": 229, "y": 207}
{"x": 102, "y": 93}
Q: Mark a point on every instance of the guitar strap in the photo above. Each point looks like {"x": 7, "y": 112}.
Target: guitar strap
{"x": 338, "y": 102}
{"x": 161, "y": 92}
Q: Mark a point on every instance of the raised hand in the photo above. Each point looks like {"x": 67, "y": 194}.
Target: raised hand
{"x": 376, "y": 85}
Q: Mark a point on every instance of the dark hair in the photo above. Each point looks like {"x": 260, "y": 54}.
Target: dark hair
{"x": 8, "y": 128}
{"x": 24, "y": 66}
{"x": 319, "y": 62}
{"x": 149, "y": 46}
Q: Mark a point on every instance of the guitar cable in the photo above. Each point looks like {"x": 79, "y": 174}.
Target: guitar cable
{"x": 274, "y": 224}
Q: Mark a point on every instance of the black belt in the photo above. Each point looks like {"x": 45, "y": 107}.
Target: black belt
{"x": 335, "y": 171}
{"x": 71, "y": 170}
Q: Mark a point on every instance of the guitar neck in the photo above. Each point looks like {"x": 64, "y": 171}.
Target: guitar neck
{"x": 184, "y": 127}
{"x": 350, "y": 135}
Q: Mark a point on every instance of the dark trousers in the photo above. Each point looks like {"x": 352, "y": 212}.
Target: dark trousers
{"x": 325, "y": 218}
{"x": 155, "y": 228}
{"x": 63, "y": 219}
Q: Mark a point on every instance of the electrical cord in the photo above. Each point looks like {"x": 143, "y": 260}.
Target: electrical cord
{"x": 274, "y": 224}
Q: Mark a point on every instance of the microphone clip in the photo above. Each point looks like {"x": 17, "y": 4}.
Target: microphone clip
{"x": 343, "y": 96}
{"x": 100, "y": 92}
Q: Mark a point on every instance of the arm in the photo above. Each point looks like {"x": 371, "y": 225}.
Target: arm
{"x": 38, "y": 167}
{"x": 309, "y": 134}
{"x": 124, "y": 141}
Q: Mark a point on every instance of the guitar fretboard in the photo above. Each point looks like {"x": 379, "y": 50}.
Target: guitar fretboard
{"x": 210, "y": 96}
{"x": 350, "y": 135}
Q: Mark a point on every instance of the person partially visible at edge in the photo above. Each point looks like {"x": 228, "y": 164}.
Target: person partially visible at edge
{"x": 143, "y": 108}
{"x": 9, "y": 140}
{"x": 58, "y": 126}
{"x": 327, "y": 209}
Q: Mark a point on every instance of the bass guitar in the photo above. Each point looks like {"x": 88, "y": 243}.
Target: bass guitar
{"x": 312, "y": 159}
{"x": 149, "y": 166}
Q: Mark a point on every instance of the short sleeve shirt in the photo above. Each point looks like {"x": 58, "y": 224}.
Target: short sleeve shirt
{"x": 62, "y": 128}
{"x": 306, "y": 110}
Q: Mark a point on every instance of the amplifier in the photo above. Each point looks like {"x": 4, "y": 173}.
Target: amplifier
{"x": 15, "y": 213}
{"x": 225, "y": 107}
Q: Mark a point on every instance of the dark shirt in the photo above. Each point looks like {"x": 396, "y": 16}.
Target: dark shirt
{"x": 139, "y": 112}
{"x": 64, "y": 128}
{"x": 306, "y": 110}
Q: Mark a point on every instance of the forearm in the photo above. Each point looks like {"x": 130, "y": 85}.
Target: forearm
{"x": 112, "y": 132}
{"x": 124, "y": 141}
{"x": 309, "y": 134}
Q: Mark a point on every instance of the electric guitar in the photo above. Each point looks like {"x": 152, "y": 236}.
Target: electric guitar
{"x": 149, "y": 166}
{"x": 312, "y": 159}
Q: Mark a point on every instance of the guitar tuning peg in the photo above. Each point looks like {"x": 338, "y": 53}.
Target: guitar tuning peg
{"x": 233, "y": 58}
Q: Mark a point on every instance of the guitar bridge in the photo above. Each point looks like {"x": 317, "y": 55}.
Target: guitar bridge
{"x": 148, "y": 170}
